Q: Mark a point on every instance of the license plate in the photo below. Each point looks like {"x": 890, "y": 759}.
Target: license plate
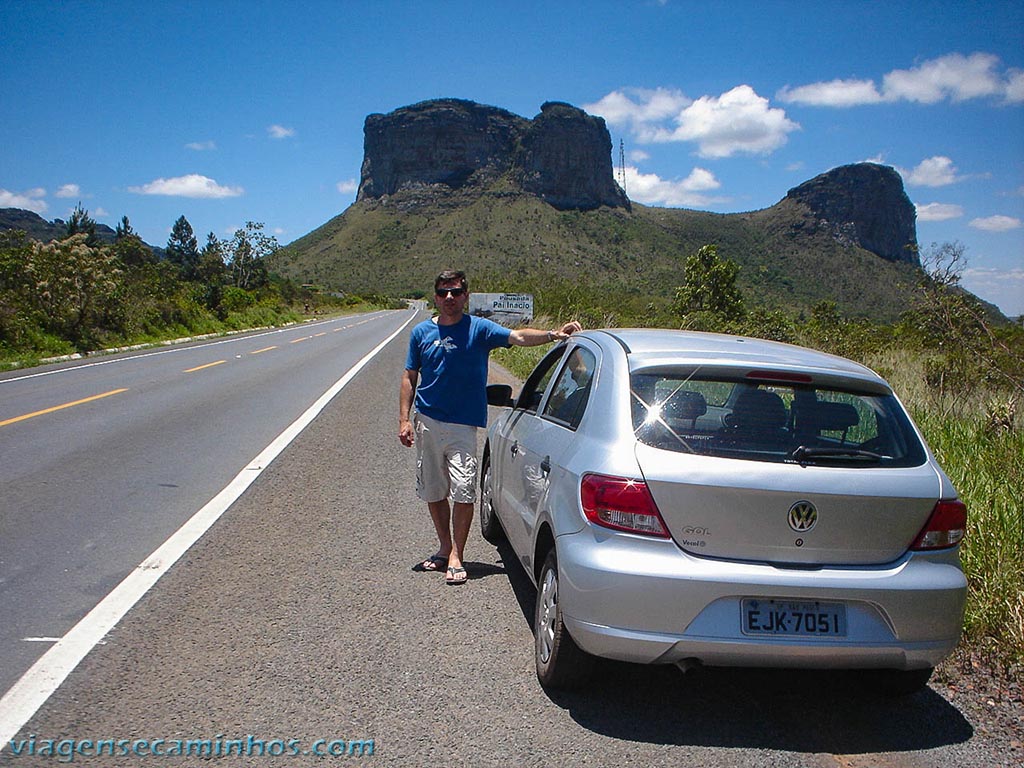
{"x": 789, "y": 618}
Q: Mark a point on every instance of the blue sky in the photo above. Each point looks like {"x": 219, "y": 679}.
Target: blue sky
{"x": 226, "y": 112}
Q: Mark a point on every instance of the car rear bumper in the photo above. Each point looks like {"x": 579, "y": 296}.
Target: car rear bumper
{"x": 646, "y": 601}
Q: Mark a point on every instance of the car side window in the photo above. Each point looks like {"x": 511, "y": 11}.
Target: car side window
{"x": 537, "y": 383}
{"x": 571, "y": 391}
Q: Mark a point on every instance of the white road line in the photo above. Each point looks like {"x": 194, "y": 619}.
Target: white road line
{"x": 27, "y": 695}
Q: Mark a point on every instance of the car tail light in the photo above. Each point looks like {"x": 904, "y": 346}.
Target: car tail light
{"x": 621, "y": 504}
{"x": 945, "y": 528}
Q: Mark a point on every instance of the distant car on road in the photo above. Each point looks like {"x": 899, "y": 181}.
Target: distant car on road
{"x": 688, "y": 498}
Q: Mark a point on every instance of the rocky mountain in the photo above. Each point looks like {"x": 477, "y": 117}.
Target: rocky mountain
{"x": 40, "y": 229}
{"x": 527, "y": 203}
{"x": 863, "y": 205}
{"x": 563, "y": 155}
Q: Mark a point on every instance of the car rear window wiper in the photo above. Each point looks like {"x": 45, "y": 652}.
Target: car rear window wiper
{"x": 803, "y": 453}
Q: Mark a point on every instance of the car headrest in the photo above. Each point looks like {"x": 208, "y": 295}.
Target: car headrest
{"x": 834, "y": 416}
{"x": 685, "y": 404}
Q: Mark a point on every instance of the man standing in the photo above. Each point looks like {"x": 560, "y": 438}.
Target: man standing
{"x": 448, "y": 360}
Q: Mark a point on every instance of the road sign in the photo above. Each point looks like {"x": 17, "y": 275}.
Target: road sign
{"x": 510, "y": 309}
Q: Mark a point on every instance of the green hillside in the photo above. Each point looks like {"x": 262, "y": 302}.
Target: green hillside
{"x": 509, "y": 240}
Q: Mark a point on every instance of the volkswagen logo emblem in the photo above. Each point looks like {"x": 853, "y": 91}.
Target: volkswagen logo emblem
{"x": 802, "y": 516}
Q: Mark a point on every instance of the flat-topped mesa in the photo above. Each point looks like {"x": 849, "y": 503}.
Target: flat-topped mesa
{"x": 563, "y": 155}
{"x": 864, "y": 205}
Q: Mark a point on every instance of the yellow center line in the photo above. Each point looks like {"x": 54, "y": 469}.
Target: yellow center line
{"x": 62, "y": 407}
{"x": 200, "y": 367}
{"x": 265, "y": 349}
{"x": 322, "y": 333}
{"x": 296, "y": 341}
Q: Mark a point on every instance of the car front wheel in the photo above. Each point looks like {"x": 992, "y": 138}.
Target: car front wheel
{"x": 560, "y": 662}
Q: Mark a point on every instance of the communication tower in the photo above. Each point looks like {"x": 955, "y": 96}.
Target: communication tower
{"x": 622, "y": 164}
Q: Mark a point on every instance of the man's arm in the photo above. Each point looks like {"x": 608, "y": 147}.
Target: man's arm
{"x": 534, "y": 337}
{"x": 405, "y": 396}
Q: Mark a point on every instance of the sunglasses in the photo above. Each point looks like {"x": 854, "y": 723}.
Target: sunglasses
{"x": 442, "y": 292}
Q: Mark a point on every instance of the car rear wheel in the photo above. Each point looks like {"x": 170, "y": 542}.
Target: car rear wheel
{"x": 560, "y": 662}
{"x": 490, "y": 527}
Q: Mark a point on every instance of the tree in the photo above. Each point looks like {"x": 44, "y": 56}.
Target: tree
{"x": 948, "y": 319}
{"x": 82, "y": 223}
{"x": 709, "y": 287}
{"x": 75, "y": 289}
{"x": 211, "y": 271}
{"x": 246, "y": 256}
{"x": 123, "y": 230}
{"x": 182, "y": 248}
{"x": 128, "y": 246}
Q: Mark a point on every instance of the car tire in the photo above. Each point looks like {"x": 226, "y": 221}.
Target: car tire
{"x": 894, "y": 683}
{"x": 561, "y": 664}
{"x": 490, "y": 526}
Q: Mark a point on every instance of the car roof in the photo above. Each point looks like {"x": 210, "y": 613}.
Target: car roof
{"x": 654, "y": 347}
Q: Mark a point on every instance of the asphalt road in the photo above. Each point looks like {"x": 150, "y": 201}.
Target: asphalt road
{"x": 102, "y": 459}
{"x": 297, "y": 618}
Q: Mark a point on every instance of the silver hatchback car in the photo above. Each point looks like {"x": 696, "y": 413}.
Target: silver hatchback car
{"x": 689, "y": 498}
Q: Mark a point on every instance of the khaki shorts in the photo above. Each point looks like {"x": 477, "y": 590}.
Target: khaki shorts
{"x": 445, "y": 460}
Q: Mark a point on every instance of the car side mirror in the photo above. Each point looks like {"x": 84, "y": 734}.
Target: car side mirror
{"x": 500, "y": 394}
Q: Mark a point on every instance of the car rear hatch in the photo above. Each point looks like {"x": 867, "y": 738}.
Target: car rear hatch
{"x": 782, "y": 468}
{"x": 787, "y": 513}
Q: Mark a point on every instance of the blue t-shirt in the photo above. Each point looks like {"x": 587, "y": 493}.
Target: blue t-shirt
{"x": 452, "y": 363}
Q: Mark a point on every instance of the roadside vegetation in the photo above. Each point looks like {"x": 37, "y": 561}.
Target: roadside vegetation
{"x": 960, "y": 374}
{"x": 79, "y": 295}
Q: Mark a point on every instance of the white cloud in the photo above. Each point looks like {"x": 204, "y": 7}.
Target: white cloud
{"x": 68, "y": 190}
{"x": 650, "y": 189}
{"x": 1015, "y": 86}
{"x": 100, "y": 213}
{"x": 935, "y": 171}
{"x": 348, "y": 186}
{"x": 638, "y": 155}
{"x": 1002, "y": 287}
{"x": 280, "y": 132}
{"x": 201, "y": 146}
{"x": 737, "y": 121}
{"x": 996, "y": 223}
{"x": 30, "y": 200}
{"x": 835, "y": 93}
{"x": 192, "y": 185}
{"x": 955, "y": 77}
{"x": 639, "y": 108}
{"x": 939, "y": 212}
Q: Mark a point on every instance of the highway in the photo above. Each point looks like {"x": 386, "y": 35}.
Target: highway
{"x": 102, "y": 459}
{"x": 294, "y": 625}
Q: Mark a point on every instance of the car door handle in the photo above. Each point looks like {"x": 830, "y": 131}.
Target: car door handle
{"x": 514, "y": 448}
{"x": 545, "y": 466}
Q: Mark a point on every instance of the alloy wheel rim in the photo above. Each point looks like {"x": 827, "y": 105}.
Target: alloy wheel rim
{"x": 546, "y": 619}
{"x": 485, "y": 502}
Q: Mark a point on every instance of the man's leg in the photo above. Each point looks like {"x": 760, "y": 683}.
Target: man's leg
{"x": 462, "y": 519}
{"x": 440, "y": 515}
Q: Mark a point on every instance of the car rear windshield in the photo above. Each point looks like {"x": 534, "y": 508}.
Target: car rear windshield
{"x": 771, "y": 421}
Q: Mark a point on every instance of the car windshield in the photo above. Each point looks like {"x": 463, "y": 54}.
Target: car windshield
{"x": 762, "y": 420}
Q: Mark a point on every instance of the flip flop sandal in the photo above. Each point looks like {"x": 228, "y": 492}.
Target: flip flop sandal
{"x": 456, "y": 576}
{"x": 434, "y": 563}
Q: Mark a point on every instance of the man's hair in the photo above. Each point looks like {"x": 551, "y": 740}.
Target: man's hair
{"x": 451, "y": 274}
